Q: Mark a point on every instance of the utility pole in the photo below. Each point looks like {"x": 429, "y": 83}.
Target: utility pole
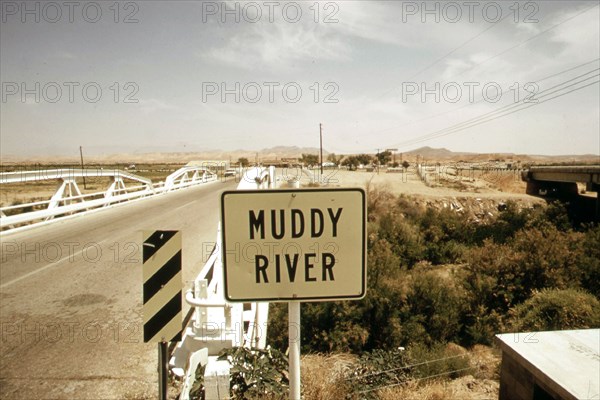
{"x": 393, "y": 151}
{"x": 321, "y": 145}
{"x": 81, "y": 155}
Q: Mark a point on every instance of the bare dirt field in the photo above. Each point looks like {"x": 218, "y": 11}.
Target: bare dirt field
{"x": 480, "y": 197}
{"x": 502, "y": 187}
{"x": 440, "y": 189}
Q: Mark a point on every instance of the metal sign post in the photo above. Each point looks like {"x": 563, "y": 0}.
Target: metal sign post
{"x": 162, "y": 370}
{"x": 294, "y": 339}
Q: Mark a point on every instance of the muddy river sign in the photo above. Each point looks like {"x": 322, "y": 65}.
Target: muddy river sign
{"x": 300, "y": 244}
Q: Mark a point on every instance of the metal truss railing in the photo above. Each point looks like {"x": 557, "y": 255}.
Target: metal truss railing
{"x": 217, "y": 324}
{"x": 68, "y": 199}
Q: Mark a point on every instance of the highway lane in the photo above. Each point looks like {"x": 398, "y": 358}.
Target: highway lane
{"x": 70, "y": 297}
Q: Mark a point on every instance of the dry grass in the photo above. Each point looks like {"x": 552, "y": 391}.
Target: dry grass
{"x": 323, "y": 376}
{"x": 463, "y": 388}
{"x": 323, "y": 379}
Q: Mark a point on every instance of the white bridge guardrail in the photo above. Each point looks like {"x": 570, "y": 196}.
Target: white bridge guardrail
{"x": 217, "y": 324}
{"x": 68, "y": 200}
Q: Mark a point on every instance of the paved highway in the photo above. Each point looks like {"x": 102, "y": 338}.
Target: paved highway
{"x": 71, "y": 298}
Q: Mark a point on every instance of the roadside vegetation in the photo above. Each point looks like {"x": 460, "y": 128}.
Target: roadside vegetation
{"x": 440, "y": 287}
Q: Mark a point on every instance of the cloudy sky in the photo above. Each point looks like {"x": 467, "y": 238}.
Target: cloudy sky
{"x": 143, "y": 76}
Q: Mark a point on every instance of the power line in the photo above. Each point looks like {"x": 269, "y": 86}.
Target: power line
{"x": 474, "y": 122}
{"x": 502, "y": 52}
{"x": 453, "y": 50}
{"x": 480, "y": 100}
{"x": 458, "y": 129}
{"x": 460, "y": 46}
{"x": 525, "y": 100}
{"x": 525, "y": 41}
{"x": 505, "y": 108}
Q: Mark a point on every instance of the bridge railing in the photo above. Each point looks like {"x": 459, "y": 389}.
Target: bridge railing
{"x": 68, "y": 199}
{"x": 215, "y": 323}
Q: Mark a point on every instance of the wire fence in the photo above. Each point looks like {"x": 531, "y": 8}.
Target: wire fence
{"x": 408, "y": 366}
{"x": 414, "y": 380}
{"x": 399, "y": 381}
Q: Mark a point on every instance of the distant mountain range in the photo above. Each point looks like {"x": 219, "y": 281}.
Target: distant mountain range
{"x": 275, "y": 153}
{"x": 442, "y": 154}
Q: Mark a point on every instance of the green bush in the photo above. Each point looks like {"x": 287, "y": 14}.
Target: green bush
{"x": 433, "y": 309}
{"x": 493, "y": 277}
{"x": 404, "y": 237}
{"x": 256, "y": 373}
{"x": 383, "y": 263}
{"x": 555, "y": 309}
{"x": 440, "y": 359}
{"x": 509, "y": 221}
{"x": 333, "y": 326}
{"x": 480, "y": 326}
{"x": 277, "y": 329}
{"x": 500, "y": 276}
{"x": 501, "y": 265}
{"x": 378, "y": 368}
{"x": 588, "y": 263}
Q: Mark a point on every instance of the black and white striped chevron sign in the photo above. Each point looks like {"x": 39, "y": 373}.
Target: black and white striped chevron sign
{"x": 162, "y": 286}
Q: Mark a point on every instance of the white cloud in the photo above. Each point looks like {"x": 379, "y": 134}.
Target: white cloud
{"x": 66, "y": 55}
{"x": 274, "y": 46}
{"x": 149, "y": 106}
{"x": 579, "y": 35}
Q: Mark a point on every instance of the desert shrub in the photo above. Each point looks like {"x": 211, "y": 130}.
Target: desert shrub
{"x": 492, "y": 277}
{"x": 379, "y": 202}
{"x": 549, "y": 256}
{"x": 555, "y": 309}
{"x": 380, "y": 312}
{"x": 355, "y": 326}
{"x": 556, "y": 214}
{"x": 334, "y": 327}
{"x": 277, "y": 328}
{"x": 439, "y": 359}
{"x": 256, "y": 373}
{"x": 500, "y": 276}
{"x": 443, "y": 233}
{"x": 480, "y": 325}
{"x": 407, "y": 207}
{"x": 588, "y": 263}
{"x": 404, "y": 237}
{"x": 449, "y": 225}
{"x": 378, "y": 368}
{"x": 509, "y": 221}
{"x": 383, "y": 262}
{"x": 445, "y": 252}
{"x": 433, "y": 308}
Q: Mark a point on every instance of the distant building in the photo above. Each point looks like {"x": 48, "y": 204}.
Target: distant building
{"x": 550, "y": 365}
{"x": 213, "y": 165}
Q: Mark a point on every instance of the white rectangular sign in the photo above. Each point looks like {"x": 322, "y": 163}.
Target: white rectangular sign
{"x": 296, "y": 244}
